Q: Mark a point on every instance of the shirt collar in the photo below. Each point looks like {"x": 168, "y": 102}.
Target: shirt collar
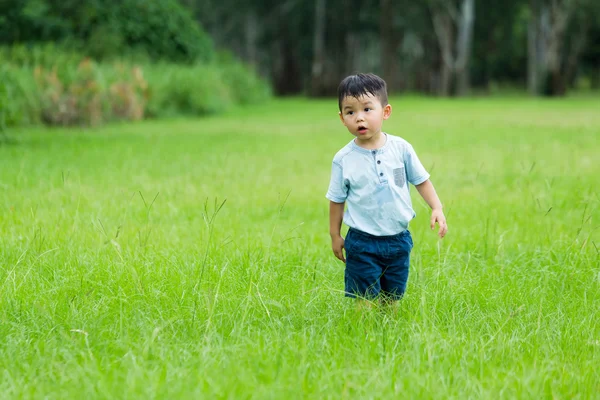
{"x": 371, "y": 151}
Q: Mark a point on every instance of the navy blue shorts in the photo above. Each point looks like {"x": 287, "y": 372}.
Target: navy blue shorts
{"x": 377, "y": 265}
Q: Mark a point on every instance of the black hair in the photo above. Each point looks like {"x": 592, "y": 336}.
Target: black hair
{"x": 360, "y": 85}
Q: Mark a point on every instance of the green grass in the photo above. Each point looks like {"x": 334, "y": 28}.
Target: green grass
{"x": 120, "y": 278}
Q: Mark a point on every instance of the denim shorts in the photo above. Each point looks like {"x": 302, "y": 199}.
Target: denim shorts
{"x": 377, "y": 265}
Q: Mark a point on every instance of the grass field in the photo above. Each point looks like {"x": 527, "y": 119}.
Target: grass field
{"x": 123, "y": 274}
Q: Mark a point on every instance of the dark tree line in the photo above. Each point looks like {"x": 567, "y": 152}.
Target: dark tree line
{"x": 442, "y": 47}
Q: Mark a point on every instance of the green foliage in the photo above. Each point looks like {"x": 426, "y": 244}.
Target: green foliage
{"x": 202, "y": 89}
{"x": 162, "y": 29}
{"x": 19, "y": 101}
{"x": 42, "y": 55}
{"x": 282, "y": 43}
{"x": 79, "y": 96}
{"x": 45, "y": 84}
{"x": 496, "y": 59}
{"x": 190, "y": 90}
{"x": 249, "y": 87}
{"x": 9, "y": 110}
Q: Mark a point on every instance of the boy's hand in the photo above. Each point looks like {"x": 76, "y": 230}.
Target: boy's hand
{"x": 437, "y": 215}
{"x": 337, "y": 245}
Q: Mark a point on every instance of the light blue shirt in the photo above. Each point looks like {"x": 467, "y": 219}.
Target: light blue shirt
{"x": 374, "y": 184}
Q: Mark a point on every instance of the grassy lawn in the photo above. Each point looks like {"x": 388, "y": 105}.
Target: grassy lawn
{"x": 123, "y": 274}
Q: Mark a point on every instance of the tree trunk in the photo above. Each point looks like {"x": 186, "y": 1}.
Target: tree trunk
{"x": 455, "y": 38}
{"x": 390, "y": 39}
{"x": 318, "y": 62}
{"x": 543, "y": 36}
{"x": 445, "y": 83}
{"x": 559, "y": 15}
{"x": 533, "y": 32}
{"x": 444, "y": 33}
{"x": 464, "y": 45}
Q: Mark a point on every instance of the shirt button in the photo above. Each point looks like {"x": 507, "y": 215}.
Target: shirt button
{"x": 378, "y": 161}
{"x": 374, "y": 152}
{"x": 381, "y": 174}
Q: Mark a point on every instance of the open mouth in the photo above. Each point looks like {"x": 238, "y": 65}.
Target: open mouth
{"x": 362, "y": 130}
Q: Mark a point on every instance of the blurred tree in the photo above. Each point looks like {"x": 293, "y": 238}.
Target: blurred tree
{"x": 318, "y": 62}
{"x": 391, "y": 29}
{"x": 499, "y": 43}
{"x": 453, "y": 23}
{"x": 557, "y": 37}
{"x": 276, "y": 36}
{"x": 160, "y": 28}
{"x": 436, "y": 46}
{"x": 591, "y": 55}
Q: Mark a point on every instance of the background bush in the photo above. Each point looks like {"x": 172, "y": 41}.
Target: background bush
{"x": 50, "y": 85}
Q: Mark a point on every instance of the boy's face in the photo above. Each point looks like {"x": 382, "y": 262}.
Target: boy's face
{"x": 363, "y": 116}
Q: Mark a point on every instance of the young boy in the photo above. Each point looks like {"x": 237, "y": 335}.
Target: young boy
{"x": 371, "y": 174}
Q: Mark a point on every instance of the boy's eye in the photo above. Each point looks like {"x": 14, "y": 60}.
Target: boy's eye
{"x": 367, "y": 109}
{"x": 350, "y": 113}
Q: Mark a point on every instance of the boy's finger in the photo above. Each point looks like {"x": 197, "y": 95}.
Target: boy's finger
{"x": 338, "y": 254}
{"x": 432, "y": 223}
{"x": 443, "y": 229}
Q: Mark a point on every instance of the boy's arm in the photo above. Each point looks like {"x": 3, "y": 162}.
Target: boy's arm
{"x": 427, "y": 191}
{"x": 336, "y": 214}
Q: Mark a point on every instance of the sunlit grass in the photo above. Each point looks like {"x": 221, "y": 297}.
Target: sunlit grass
{"x": 190, "y": 258}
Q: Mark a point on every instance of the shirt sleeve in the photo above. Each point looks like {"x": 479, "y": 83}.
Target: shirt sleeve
{"x": 338, "y": 189}
{"x": 415, "y": 171}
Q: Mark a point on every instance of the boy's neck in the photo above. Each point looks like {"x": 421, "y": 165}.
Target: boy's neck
{"x": 373, "y": 143}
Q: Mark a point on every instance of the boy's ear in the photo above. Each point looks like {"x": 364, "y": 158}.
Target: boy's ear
{"x": 387, "y": 111}
{"x": 342, "y": 118}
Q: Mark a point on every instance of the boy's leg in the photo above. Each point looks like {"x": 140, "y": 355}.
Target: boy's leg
{"x": 363, "y": 304}
{"x": 363, "y": 271}
{"x": 397, "y": 259}
{"x": 390, "y": 304}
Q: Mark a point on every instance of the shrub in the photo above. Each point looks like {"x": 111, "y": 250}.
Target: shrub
{"x": 203, "y": 89}
{"x": 189, "y": 90}
{"x": 46, "y": 55}
{"x": 18, "y": 96}
{"x": 128, "y": 93}
{"x": 81, "y": 97}
{"x": 248, "y": 86}
{"x": 57, "y": 88}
